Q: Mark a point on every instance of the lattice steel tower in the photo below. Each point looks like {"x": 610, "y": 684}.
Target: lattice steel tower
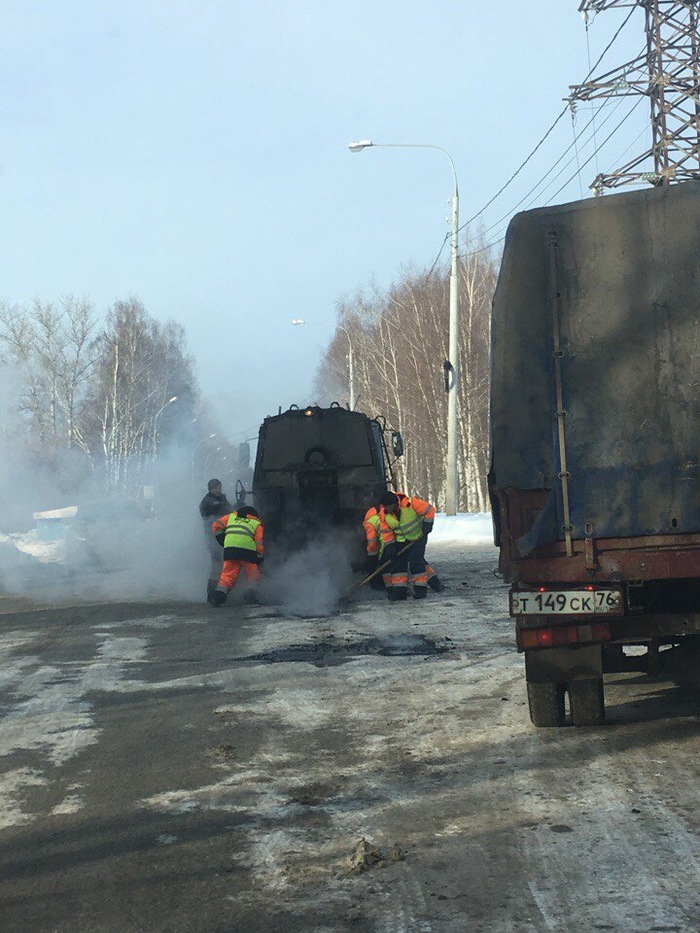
{"x": 668, "y": 73}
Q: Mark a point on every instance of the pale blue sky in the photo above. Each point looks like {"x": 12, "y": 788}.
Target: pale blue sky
{"x": 194, "y": 155}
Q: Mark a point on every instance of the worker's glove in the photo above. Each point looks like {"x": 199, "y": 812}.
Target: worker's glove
{"x": 390, "y": 552}
{"x": 220, "y": 538}
{"x": 371, "y": 563}
{"x": 427, "y": 527}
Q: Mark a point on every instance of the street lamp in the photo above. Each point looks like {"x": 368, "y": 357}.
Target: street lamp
{"x": 155, "y": 422}
{"x": 298, "y": 321}
{"x": 452, "y": 363}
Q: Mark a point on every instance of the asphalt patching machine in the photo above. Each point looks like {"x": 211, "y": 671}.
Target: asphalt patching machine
{"x": 317, "y": 470}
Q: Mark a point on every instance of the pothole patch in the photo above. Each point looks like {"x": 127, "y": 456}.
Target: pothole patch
{"x": 330, "y": 652}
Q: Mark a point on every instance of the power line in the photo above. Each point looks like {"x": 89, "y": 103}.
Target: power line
{"x": 493, "y": 243}
{"x": 607, "y": 139}
{"x": 532, "y": 153}
{"x": 549, "y": 131}
{"x": 557, "y": 163}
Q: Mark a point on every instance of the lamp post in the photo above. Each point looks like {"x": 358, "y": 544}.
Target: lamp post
{"x": 299, "y": 321}
{"x": 452, "y": 363}
{"x": 155, "y": 423}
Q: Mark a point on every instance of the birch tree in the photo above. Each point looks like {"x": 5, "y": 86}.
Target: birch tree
{"x": 400, "y": 341}
{"x": 142, "y": 366}
{"x": 54, "y": 347}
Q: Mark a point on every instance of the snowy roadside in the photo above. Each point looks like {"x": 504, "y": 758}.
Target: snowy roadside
{"x": 46, "y": 552}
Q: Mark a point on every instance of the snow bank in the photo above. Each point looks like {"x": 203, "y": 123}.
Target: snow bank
{"x": 470, "y": 528}
{"x": 44, "y": 551}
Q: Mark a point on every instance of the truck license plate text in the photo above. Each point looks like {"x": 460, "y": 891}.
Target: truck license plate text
{"x": 573, "y": 602}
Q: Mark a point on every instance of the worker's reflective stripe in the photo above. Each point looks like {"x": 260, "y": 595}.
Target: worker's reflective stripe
{"x": 399, "y": 579}
{"x": 239, "y": 529}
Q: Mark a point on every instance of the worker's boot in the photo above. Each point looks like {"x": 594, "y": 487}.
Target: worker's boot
{"x": 397, "y": 593}
{"x": 420, "y": 592}
{"x": 435, "y": 583}
{"x": 217, "y": 598}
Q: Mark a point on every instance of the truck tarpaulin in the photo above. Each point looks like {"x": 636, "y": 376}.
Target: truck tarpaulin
{"x": 596, "y": 327}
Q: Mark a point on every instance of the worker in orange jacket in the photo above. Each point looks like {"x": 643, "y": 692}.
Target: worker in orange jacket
{"x": 240, "y": 533}
{"x": 405, "y": 524}
{"x": 375, "y": 549}
{"x": 375, "y": 555}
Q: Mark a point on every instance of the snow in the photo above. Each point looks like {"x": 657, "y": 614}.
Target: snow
{"x": 69, "y": 512}
{"x": 30, "y": 543}
{"x": 467, "y": 528}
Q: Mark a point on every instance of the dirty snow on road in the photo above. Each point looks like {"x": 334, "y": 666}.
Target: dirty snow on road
{"x": 373, "y": 770}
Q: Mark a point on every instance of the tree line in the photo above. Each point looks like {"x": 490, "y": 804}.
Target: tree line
{"x": 96, "y": 393}
{"x": 396, "y": 341}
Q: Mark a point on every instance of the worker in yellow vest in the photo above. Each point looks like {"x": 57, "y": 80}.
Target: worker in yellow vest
{"x": 407, "y": 521}
{"x": 240, "y": 533}
{"x": 375, "y": 549}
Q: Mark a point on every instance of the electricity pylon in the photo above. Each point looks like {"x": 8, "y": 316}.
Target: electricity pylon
{"x": 668, "y": 73}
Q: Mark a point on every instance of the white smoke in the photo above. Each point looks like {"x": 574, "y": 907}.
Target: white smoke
{"x": 309, "y": 582}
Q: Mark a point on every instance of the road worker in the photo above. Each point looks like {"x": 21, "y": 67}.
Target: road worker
{"x": 240, "y": 533}
{"x": 213, "y": 505}
{"x": 376, "y": 557}
{"x": 375, "y": 549}
{"x": 404, "y": 528}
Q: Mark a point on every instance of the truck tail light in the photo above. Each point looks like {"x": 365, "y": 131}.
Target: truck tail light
{"x": 557, "y": 636}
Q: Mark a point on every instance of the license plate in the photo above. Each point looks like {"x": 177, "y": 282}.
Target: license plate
{"x": 566, "y": 602}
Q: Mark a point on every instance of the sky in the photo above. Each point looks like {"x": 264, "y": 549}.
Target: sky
{"x": 194, "y": 155}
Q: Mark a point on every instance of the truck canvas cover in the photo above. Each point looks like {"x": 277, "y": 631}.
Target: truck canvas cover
{"x": 609, "y": 289}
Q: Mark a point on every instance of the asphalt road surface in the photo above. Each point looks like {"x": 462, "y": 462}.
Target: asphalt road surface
{"x": 183, "y": 769}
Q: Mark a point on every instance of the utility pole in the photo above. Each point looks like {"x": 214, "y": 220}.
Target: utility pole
{"x": 451, "y": 365}
{"x": 668, "y": 73}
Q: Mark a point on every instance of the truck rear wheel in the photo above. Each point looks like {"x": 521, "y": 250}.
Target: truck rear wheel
{"x": 587, "y": 702}
{"x": 546, "y": 702}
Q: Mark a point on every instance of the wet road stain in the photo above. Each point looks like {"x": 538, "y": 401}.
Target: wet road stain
{"x": 330, "y": 652}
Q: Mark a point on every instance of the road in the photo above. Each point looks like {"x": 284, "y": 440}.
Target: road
{"x": 170, "y": 767}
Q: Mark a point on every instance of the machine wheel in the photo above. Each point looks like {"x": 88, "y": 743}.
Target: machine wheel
{"x": 587, "y": 702}
{"x": 546, "y": 702}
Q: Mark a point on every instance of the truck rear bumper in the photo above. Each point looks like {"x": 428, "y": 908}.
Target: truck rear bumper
{"x": 575, "y": 633}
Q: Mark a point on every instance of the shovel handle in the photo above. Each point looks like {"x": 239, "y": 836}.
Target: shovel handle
{"x": 356, "y": 586}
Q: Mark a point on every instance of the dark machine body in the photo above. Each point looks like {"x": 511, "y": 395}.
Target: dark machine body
{"x": 318, "y": 469}
{"x": 595, "y": 407}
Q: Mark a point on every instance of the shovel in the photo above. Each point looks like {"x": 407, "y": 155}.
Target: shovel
{"x": 360, "y": 583}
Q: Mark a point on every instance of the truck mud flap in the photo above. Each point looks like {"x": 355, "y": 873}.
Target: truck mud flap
{"x": 562, "y": 665}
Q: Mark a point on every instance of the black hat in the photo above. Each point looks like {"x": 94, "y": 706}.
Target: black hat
{"x": 212, "y": 483}
{"x": 389, "y": 499}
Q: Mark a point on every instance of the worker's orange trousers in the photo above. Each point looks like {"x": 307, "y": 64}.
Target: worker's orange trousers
{"x": 232, "y": 569}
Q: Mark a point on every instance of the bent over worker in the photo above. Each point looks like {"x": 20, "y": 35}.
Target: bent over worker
{"x": 375, "y": 549}
{"x": 241, "y": 535}
{"x": 403, "y": 522}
